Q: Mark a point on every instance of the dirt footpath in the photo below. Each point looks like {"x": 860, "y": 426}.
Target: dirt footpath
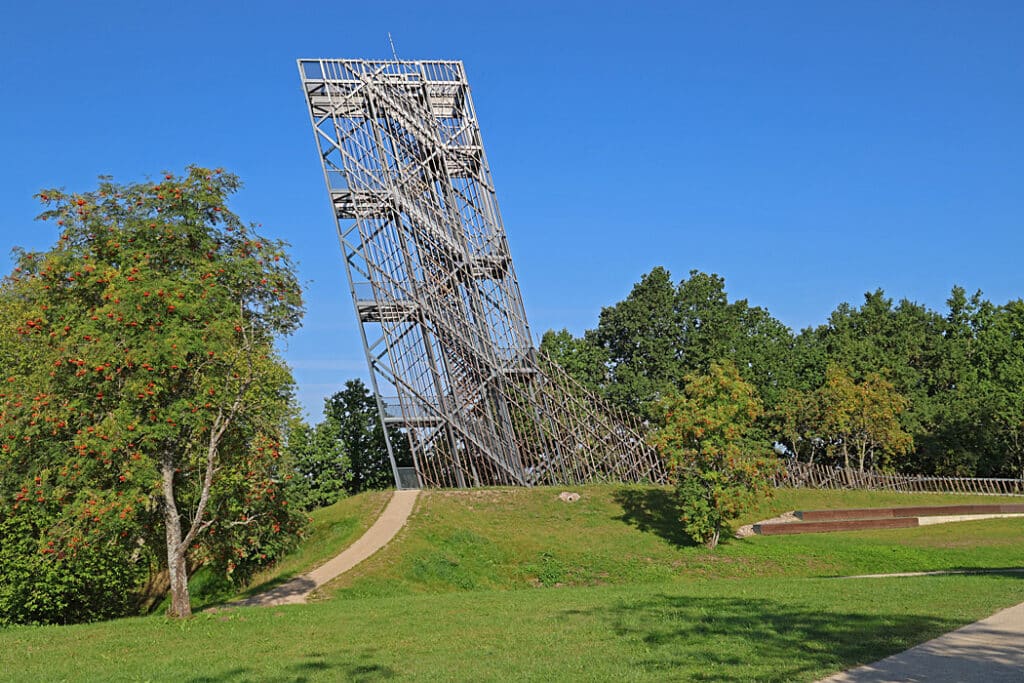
{"x": 376, "y": 537}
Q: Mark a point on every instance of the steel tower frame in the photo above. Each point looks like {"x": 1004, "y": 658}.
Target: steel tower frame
{"x": 441, "y": 316}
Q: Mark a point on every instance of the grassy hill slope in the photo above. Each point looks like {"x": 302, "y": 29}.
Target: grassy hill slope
{"x": 331, "y": 530}
{"x": 512, "y": 584}
{"x": 523, "y": 538}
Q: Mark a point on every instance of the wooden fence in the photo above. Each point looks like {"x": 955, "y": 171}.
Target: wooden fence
{"x": 799, "y": 474}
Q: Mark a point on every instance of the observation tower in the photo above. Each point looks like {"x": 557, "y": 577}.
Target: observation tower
{"x": 441, "y": 316}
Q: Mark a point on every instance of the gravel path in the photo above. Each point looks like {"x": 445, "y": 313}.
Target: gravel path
{"x": 785, "y": 518}
{"x": 376, "y": 537}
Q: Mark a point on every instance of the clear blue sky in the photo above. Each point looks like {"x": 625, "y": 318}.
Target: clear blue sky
{"x": 808, "y": 152}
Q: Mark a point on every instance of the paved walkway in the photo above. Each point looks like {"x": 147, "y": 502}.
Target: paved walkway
{"x": 376, "y": 537}
{"x": 987, "y": 651}
{"x": 940, "y": 572}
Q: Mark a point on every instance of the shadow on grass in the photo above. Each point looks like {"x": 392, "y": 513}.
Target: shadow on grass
{"x": 209, "y": 590}
{"x": 315, "y": 666}
{"x": 269, "y": 584}
{"x": 655, "y": 511}
{"x": 723, "y": 639}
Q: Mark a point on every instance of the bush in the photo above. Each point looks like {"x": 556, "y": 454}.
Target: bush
{"x": 45, "y": 582}
{"x": 711, "y": 442}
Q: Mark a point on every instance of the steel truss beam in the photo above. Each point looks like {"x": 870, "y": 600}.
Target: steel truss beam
{"x": 431, "y": 277}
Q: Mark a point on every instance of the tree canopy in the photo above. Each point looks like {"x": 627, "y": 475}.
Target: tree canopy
{"x": 143, "y": 398}
{"x": 944, "y": 388}
{"x": 346, "y": 453}
{"x": 718, "y": 461}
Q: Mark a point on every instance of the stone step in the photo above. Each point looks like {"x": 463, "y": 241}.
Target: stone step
{"x": 776, "y": 529}
{"x": 911, "y": 511}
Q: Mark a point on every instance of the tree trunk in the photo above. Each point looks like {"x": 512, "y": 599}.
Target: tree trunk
{"x": 712, "y": 542}
{"x": 177, "y": 567}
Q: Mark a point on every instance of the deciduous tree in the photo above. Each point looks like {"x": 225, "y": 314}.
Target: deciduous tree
{"x": 346, "y": 453}
{"x": 151, "y": 412}
{"x": 861, "y": 419}
{"x": 640, "y": 336}
{"x": 717, "y": 455}
{"x": 580, "y": 357}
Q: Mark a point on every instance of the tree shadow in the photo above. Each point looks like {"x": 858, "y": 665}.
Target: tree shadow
{"x": 653, "y": 510}
{"x": 269, "y": 584}
{"x": 238, "y": 673}
{"x": 723, "y": 639}
{"x": 313, "y": 666}
{"x": 360, "y": 671}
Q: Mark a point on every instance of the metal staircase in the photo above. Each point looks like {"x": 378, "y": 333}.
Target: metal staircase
{"x": 432, "y": 281}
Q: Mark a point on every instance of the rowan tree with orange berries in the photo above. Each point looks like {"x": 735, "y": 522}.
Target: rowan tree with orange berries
{"x": 143, "y": 400}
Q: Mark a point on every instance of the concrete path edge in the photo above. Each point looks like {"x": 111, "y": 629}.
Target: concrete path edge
{"x": 990, "y": 650}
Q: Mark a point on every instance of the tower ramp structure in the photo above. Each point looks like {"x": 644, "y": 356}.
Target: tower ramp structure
{"x": 441, "y": 315}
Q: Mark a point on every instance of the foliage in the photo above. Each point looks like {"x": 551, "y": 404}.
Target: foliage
{"x": 861, "y": 420}
{"x": 798, "y": 424}
{"x": 902, "y": 342}
{"x": 150, "y": 412}
{"x": 1000, "y": 387}
{"x": 351, "y": 415}
{"x": 645, "y": 345}
{"x": 955, "y": 377}
{"x": 639, "y": 337}
{"x": 321, "y": 470}
{"x": 42, "y": 583}
{"x": 346, "y": 453}
{"x": 713, "y": 330}
{"x": 581, "y": 358}
{"x": 711, "y": 443}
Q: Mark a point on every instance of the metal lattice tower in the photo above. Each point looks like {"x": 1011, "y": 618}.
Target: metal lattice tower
{"x": 441, "y": 315}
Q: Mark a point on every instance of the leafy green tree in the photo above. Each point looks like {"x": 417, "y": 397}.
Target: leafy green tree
{"x": 861, "y": 419}
{"x": 42, "y": 582}
{"x": 718, "y": 459}
{"x": 956, "y": 443}
{"x": 954, "y": 375}
{"x": 797, "y": 422}
{"x": 713, "y": 329}
{"x": 352, "y": 412}
{"x": 903, "y": 342}
{"x": 581, "y": 358}
{"x": 151, "y": 413}
{"x": 640, "y": 336}
{"x": 346, "y": 453}
{"x": 999, "y": 390}
{"x": 661, "y": 332}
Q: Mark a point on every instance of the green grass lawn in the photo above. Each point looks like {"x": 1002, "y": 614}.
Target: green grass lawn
{"x": 512, "y": 584}
{"x": 725, "y": 630}
{"x": 332, "y": 530}
{"x": 521, "y": 538}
